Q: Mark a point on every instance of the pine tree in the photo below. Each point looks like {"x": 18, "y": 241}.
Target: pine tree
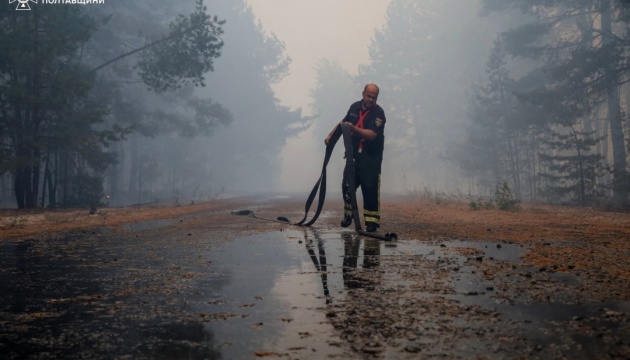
{"x": 582, "y": 48}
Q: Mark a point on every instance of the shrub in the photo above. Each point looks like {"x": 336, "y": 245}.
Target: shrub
{"x": 503, "y": 200}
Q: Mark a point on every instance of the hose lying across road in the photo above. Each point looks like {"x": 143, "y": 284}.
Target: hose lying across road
{"x": 320, "y": 185}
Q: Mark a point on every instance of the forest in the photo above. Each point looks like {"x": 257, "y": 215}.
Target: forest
{"x": 137, "y": 102}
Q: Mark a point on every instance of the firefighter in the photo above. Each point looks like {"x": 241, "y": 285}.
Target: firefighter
{"x": 367, "y": 121}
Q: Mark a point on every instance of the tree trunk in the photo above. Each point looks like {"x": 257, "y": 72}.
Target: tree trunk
{"x": 46, "y": 181}
{"x": 515, "y": 166}
{"x": 65, "y": 178}
{"x": 34, "y": 180}
{"x": 26, "y": 119}
{"x": 18, "y": 186}
{"x": 133, "y": 167}
{"x": 53, "y": 182}
{"x": 614, "y": 117}
{"x": 114, "y": 175}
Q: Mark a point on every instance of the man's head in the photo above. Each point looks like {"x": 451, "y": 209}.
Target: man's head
{"x": 370, "y": 95}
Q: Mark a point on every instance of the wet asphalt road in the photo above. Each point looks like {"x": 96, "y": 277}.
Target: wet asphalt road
{"x": 151, "y": 291}
{"x": 160, "y": 290}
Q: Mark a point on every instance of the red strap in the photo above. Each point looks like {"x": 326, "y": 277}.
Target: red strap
{"x": 362, "y": 116}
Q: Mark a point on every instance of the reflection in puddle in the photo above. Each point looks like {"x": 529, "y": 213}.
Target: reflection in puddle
{"x": 319, "y": 261}
{"x": 370, "y": 259}
{"x": 276, "y": 287}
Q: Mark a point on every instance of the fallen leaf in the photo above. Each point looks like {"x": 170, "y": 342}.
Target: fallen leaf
{"x": 266, "y": 353}
{"x": 297, "y": 348}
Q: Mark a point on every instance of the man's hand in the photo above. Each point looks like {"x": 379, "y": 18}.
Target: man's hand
{"x": 365, "y": 134}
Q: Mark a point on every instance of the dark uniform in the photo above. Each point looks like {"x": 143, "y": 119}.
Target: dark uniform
{"x": 368, "y": 156}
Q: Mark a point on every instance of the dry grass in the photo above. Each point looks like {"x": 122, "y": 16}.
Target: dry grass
{"x": 47, "y": 223}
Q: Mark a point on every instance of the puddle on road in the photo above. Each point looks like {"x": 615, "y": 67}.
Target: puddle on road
{"x": 279, "y": 286}
{"x": 288, "y": 279}
{"x": 273, "y": 296}
{"x": 268, "y": 293}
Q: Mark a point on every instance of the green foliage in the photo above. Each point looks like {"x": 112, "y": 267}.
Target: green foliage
{"x": 500, "y": 129}
{"x": 583, "y": 48}
{"x": 84, "y": 190}
{"x": 248, "y": 67}
{"x": 481, "y": 204}
{"x": 188, "y": 115}
{"x": 571, "y": 167}
{"x": 503, "y": 200}
{"x": 40, "y": 82}
{"x": 58, "y": 112}
{"x": 186, "y": 54}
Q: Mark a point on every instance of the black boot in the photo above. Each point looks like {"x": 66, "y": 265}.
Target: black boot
{"x": 347, "y": 221}
{"x": 370, "y": 227}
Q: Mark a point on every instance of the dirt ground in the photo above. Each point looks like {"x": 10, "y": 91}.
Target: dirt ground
{"x": 575, "y": 257}
{"x": 583, "y": 238}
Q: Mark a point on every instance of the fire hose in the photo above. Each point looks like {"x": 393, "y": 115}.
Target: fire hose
{"x": 320, "y": 186}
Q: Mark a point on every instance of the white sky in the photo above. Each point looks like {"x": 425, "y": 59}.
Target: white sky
{"x": 311, "y": 30}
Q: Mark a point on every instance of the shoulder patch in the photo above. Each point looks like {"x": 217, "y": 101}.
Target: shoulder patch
{"x": 378, "y": 122}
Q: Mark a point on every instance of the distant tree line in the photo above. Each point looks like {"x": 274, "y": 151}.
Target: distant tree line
{"x": 104, "y": 102}
{"x": 110, "y": 100}
{"x": 556, "y": 128}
